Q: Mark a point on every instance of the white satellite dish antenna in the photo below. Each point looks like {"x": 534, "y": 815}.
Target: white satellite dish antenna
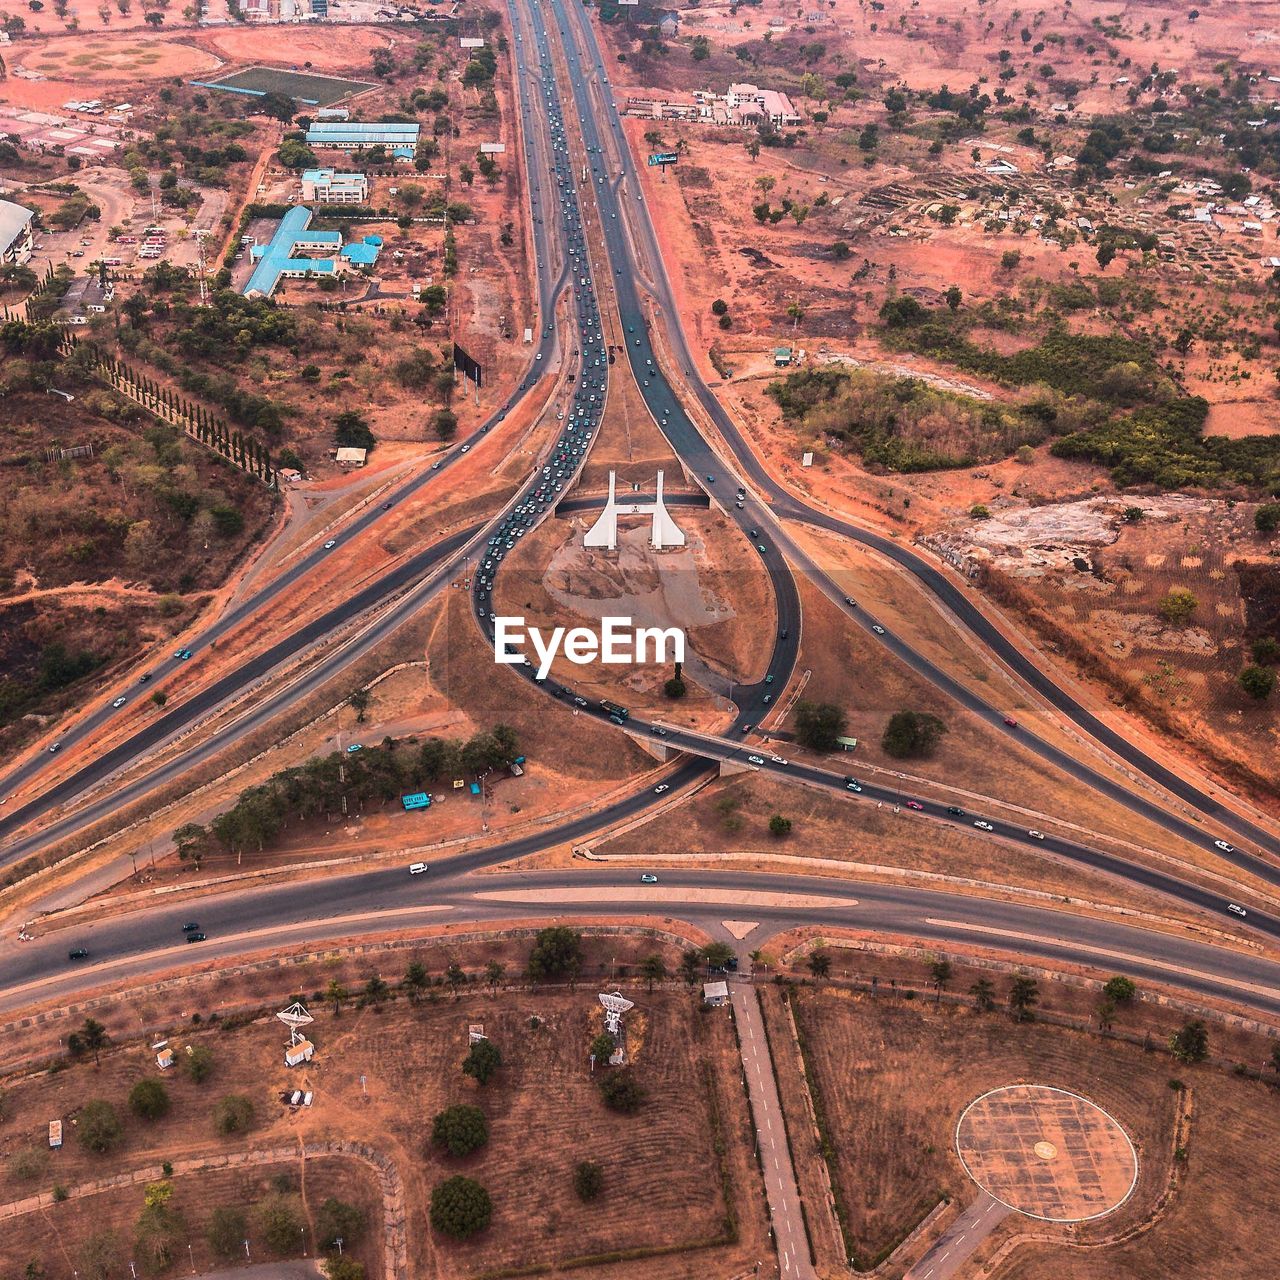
{"x": 295, "y": 1017}
{"x": 615, "y": 1005}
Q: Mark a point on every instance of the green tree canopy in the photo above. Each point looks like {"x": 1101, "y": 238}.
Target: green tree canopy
{"x": 819, "y": 725}
{"x": 912, "y": 735}
{"x": 460, "y": 1129}
{"x": 460, "y": 1207}
{"x": 482, "y": 1060}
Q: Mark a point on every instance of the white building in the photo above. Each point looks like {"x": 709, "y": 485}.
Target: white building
{"x": 15, "y": 232}
{"x": 750, "y": 100}
{"x": 328, "y": 187}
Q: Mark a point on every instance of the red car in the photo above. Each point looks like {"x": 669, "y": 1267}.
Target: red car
{"x": 914, "y": 804}
{"x": 1011, "y": 722}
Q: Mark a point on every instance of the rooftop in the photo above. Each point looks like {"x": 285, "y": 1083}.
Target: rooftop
{"x": 13, "y": 220}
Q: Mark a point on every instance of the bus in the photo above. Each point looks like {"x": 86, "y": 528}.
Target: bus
{"x": 613, "y": 709}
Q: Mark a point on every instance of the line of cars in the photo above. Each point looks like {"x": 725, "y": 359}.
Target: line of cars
{"x": 191, "y": 932}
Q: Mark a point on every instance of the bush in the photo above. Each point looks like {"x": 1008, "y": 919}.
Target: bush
{"x": 779, "y": 826}
{"x": 1120, "y": 990}
{"x": 912, "y": 735}
{"x": 460, "y": 1207}
{"x": 149, "y": 1099}
{"x": 1267, "y": 517}
{"x": 556, "y": 951}
{"x": 602, "y": 1047}
{"x": 621, "y": 1091}
{"x": 460, "y": 1130}
{"x": 28, "y": 1164}
{"x": 588, "y": 1180}
{"x": 277, "y": 1218}
{"x": 197, "y": 1063}
{"x": 1177, "y": 607}
{"x": 1258, "y": 682}
{"x": 1266, "y": 652}
{"x": 344, "y": 1269}
{"x": 482, "y": 1060}
{"x": 980, "y": 511}
{"x": 719, "y": 307}
{"x": 233, "y": 1114}
{"x": 675, "y": 688}
{"x": 98, "y": 1126}
{"x": 337, "y": 1220}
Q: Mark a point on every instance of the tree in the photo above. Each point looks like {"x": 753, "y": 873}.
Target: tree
{"x": 460, "y": 1129}
{"x": 91, "y": 1038}
{"x": 602, "y": 1047}
{"x": 819, "y": 725}
{"x": 493, "y": 973}
{"x": 99, "y": 1256}
{"x": 941, "y": 973}
{"x": 1258, "y": 682}
{"x": 160, "y": 1229}
{"x": 984, "y": 995}
{"x": 277, "y": 1219}
{"x": 1266, "y": 652}
{"x": 98, "y": 1126}
{"x": 912, "y": 734}
{"x": 337, "y": 1220}
{"x": 191, "y": 840}
{"x": 359, "y": 701}
{"x": 278, "y": 105}
{"x": 719, "y": 307}
{"x": 1267, "y": 517}
{"x": 1120, "y": 990}
{"x": 376, "y": 990}
{"x": 819, "y": 963}
{"x": 779, "y": 826}
{"x": 1178, "y": 606}
{"x": 227, "y": 1231}
{"x": 460, "y": 1207}
{"x": 482, "y": 1060}
{"x": 953, "y": 296}
{"x": 336, "y": 993}
{"x": 621, "y": 1091}
{"x": 588, "y": 1180}
{"x": 840, "y": 250}
{"x": 445, "y": 424}
{"x": 149, "y": 1100}
{"x": 700, "y": 49}
{"x": 675, "y": 687}
{"x": 233, "y": 1114}
{"x": 1010, "y": 259}
{"x": 198, "y": 1063}
{"x": 690, "y": 964}
{"x": 717, "y": 954}
{"x": 557, "y": 952}
{"x": 1024, "y": 995}
{"x": 1106, "y": 253}
{"x": 1191, "y": 1042}
{"x": 653, "y": 969}
{"x": 415, "y": 981}
{"x": 351, "y": 431}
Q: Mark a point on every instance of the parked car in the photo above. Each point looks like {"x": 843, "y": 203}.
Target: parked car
{"x": 648, "y": 878}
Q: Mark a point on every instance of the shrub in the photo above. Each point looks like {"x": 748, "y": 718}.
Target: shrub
{"x": 912, "y": 734}
{"x": 719, "y": 307}
{"x": 779, "y": 826}
{"x": 819, "y": 725}
{"x": 198, "y": 1063}
{"x": 233, "y": 1114}
{"x": 227, "y": 1231}
{"x": 588, "y": 1180}
{"x": 1178, "y": 606}
{"x": 460, "y": 1130}
{"x": 98, "y": 1126}
{"x": 556, "y": 951}
{"x": 1258, "y": 682}
{"x": 980, "y": 511}
{"x": 277, "y": 1218}
{"x": 621, "y": 1091}
{"x": 602, "y": 1047}
{"x": 1266, "y": 652}
{"x": 482, "y": 1060}
{"x": 1267, "y": 517}
{"x": 460, "y": 1207}
{"x": 28, "y": 1164}
{"x": 344, "y": 1269}
{"x": 149, "y": 1099}
{"x": 337, "y": 1220}
{"x": 1120, "y": 990}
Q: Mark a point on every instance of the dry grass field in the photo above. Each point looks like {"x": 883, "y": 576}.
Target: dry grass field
{"x": 893, "y": 1077}
{"x": 380, "y": 1074}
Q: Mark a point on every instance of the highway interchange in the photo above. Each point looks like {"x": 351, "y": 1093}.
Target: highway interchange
{"x": 367, "y": 901}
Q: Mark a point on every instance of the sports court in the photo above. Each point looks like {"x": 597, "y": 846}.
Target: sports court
{"x": 303, "y": 86}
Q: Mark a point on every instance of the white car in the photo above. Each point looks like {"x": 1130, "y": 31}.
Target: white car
{"x": 417, "y": 868}
{"x": 1236, "y": 908}
{"x": 329, "y": 546}
{"x": 661, "y": 787}
{"x": 983, "y": 826}
{"x": 1036, "y": 835}
{"x": 877, "y": 628}
{"x": 779, "y": 760}
{"x": 119, "y": 702}
{"x": 1224, "y": 846}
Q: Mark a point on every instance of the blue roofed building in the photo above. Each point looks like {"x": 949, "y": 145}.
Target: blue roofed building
{"x": 401, "y": 140}
{"x": 285, "y": 255}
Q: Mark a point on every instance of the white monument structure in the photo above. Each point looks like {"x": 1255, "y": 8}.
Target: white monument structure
{"x": 615, "y": 1005}
{"x": 604, "y": 533}
{"x": 299, "y": 1049}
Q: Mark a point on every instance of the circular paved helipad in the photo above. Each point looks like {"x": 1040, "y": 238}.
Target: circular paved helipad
{"x": 1047, "y": 1153}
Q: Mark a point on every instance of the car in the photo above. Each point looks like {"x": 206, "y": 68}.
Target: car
{"x": 1224, "y": 846}
{"x": 191, "y": 927}
{"x": 955, "y": 811}
{"x": 661, "y": 787}
{"x": 386, "y": 506}
{"x": 779, "y": 760}
{"x": 144, "y": 677}
{"x": 746, "y": 728}
{"x": 851, "y": 602}
{"x": 660, "y": 731}
{"x": 78, "y": 954}
{"x": 119, "y": 702}
{"x": 711, "y": 479}
{"x": 354, "y": 747}
{"x": 983, "y": 826}
{"x": 196, "y": 937}
{"x": 914, "y": 804}
{"x": 760, "y": 547}
{"x": 852, "y": 784}
{"x": 783, "y": 634}
{"x": 648, "y": 878}
{"x": 1011, "y": 722}
{"x": 435, "y": 466}
{"x": 768, "y": 697}
{"x": 753, "y": 534}
{"x": 182, "y": 655}
{"x": 417, "y": 868}
{"x": 538, "y": 356}
{"x": 1236, "y": 909}
{"x": 54, "y": 747}
{"x": 466, "y": 447}
{"x": 755, "y": 759}
{"x": 768, "y": 679}
{"x": 877, "y": 628}
{"x": 1036, "y": 835}
{"x": 329, "y": 546}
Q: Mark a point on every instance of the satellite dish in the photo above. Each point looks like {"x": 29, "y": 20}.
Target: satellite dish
{"x": 616, "y": 1002}
{"x": 294, "y": 1017}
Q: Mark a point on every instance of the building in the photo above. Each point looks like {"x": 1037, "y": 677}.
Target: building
{"x": 55, "y": 1133}
{"x": 15, "y": 232}
{"x": 670, "y": 25}
{"x": 164, "y": 1059}
{"x": 87, "y": 296}
{"x": 327, "y": 187}
{"x": 781, "y": 357}
{"x": 295, "y": 1054}
{"x": 351, "y": 457}
{"x": 715, "y": 994}
{"x": 753, "y": 103}
{"x": 350, "y": 135}
{"x": 285, "y": 257}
